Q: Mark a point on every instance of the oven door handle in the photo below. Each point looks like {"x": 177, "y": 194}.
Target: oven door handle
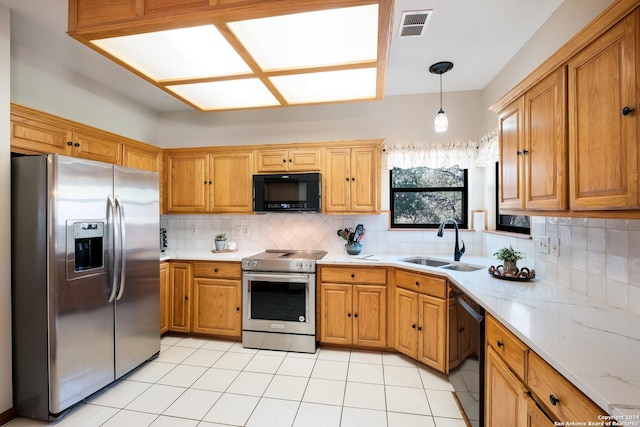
{"x": 287, "y": 278}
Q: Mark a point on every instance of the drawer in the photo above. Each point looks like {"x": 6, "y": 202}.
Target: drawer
{"x": 372, "y": 275}
{"x": 508, "y": 346}
{"x": 562, "y": 399}
{"x": 226, "y": 270}
{"x": 434, "y": 286}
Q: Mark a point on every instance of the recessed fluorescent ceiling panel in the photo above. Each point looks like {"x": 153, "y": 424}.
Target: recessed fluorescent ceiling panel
{"x": 310, "y": 39}
{"x": 177, "y": 54}
{"x": 230, "y": 94}
{"x": 327, "y": 86}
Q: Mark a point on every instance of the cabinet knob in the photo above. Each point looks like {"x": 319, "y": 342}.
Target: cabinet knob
{"x": 355, "y": 315}
{"x": 290, "y": 160}
{"x": 215, "y": 270}
{"x": 417, "y": 283}
{"x": 525, "y": 151}
{"x": 348, "y": 314}
{"x": 353, "y": 276}
{"x": 626, "y": 111}
{"x": 77, "y": 144}
{"x": 413, "y": 326}
{"x": 69, "y": 143}
{"x": 353, "y": 179}
{"x": 554, "y": 400}
{"x": 461, "y": 330}
{"x": 519, "y": 153}
{"x": 209, "y": 182}
{"x": 419, "y": 328}
{"x": 500, "y": 344}
{"x": 284, "y": 160}
{"x": 186, "y": 298}
{"x": 237, "y": 308}
{"x": 347, "y": 178}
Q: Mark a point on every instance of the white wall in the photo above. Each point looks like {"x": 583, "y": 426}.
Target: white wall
{"x": 406, "y": 118}
{"x": 40, "y": 83}
{"x": 6, "y": 390}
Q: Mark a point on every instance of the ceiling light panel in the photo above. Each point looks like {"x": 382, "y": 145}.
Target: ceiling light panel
{"x": 226, "y": 95}
{"x": 327, "y": 86}
{"x": 311, "y": 39}
{"x": 177, "y": 54}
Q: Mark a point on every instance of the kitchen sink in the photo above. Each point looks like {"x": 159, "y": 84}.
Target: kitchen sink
{"x": 430, "y": 262}
{"x": 463, "y": 267}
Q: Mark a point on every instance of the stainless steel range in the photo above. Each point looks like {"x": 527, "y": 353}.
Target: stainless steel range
{"x": 279, "y": 300}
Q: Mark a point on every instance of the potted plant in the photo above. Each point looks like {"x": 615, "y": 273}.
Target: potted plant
{"x": 221, "y": 240}
{"x": 509, "y": 257}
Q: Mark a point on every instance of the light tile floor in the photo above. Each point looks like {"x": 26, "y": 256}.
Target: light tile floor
{"x": 213, "y": 383}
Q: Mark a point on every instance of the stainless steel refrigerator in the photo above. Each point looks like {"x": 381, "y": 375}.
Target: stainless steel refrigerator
{"x": 85, "y": 278}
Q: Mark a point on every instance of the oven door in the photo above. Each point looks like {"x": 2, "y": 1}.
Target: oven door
{"x": 279, "y": 303}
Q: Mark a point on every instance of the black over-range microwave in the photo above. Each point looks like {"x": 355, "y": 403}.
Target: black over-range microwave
{"x": 294, "y": 192}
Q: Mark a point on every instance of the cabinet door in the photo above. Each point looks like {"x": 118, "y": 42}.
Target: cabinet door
{"x": 505, "y": 403}
{"x": 271, "y": 161}
{"x": 511, "y": 134}
{"x": 216, "y": 307}
{"x": 364, "y": 179}
{"x": 33, "y": 135}
{"x": 164, "y": 297}
{"x": 187, "y": 182}
{"x": 603, "y": 143}
{"x": 231, "y": 182}
{"x": 546, "y": 143}
{"x": 337, "y": 180}
{"x": 97, "y": 147}
{"x": 370, "y": 316}
{"x": 303, "y": 160}
{"x": 336, "y": 313}
{"x": 180, "y": 293}
{"x": 432, "y": 327}
{"x": 139, "y": 158}
{"x": 536, "y": 417}
{"x": 406, "y": 313}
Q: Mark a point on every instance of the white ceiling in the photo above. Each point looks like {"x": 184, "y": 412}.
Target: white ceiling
{"x": 479, "y": 37}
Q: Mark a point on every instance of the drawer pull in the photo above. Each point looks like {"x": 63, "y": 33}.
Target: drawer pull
{"x": 355, "y": 315}
{"x": 215, "y": 270}
{"x": 417, "y": 283}
{"x": 554, "y": 400}
{"x": 353, "y": 275}
{"x": 500, "y": 344}
{"x": 626, "y": 111}
{"x": 461, "y": 330}
{"x": 413, "y": 326}
{"x": 348, "y": 314}
{"x": 419, "y": 328}
{"x": 237, "y": 308}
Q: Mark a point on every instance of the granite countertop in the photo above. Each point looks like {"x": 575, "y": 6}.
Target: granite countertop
{"x": 596, "y": 347}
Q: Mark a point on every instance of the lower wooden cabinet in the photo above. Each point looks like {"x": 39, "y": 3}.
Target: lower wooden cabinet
{"x": 180, "y": 279}
{"x": 164, "y": 297}
{"x": 421, "y": 327}
{"x": 217, "y": 307}
{"x": 353, "y": 306}
{"x": 521, "y": 389}
{"x": 353, "y": 315}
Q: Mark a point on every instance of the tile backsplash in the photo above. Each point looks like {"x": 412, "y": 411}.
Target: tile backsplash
{"x": 597, "y": 257}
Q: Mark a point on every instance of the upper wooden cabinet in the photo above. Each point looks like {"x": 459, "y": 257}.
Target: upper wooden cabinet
{"x": 533, "y": 146}
{"x": 352, "y": 179}
{"x": 33, "y": 132}
{"x": 202, "y": 181}
{"x": 569, "y": 132}
{"x": 283, "y": 160}
{"x": 604, "y": 78}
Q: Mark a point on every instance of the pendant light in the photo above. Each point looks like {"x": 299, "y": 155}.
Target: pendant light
{"x": 441, "y": 122}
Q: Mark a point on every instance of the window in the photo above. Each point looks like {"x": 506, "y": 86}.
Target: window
{"x": 423, "y": 197}
{"x": 512, "y": 223}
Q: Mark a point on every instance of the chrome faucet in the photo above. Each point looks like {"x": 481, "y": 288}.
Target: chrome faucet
{"x": 457, "y": 251}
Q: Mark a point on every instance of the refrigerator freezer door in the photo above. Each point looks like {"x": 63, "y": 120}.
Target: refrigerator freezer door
{"x": 137, "y": 332}
{"x": 80, "y": 316}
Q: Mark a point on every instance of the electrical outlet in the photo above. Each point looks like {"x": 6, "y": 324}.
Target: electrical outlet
{"x": 245, "y": 230}
{"x": 542, "y": 244}
{"x": 238, "y": 230}
{"x": 194, "y": 229}
{"x": 554, "y": 247}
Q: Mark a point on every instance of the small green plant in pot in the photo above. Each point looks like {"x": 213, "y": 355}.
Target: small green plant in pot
{"x": 509, "y": 257}
{"x": 221, "y": 240}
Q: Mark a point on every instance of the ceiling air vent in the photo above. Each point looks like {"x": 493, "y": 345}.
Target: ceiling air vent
{"x": 413, "y": 23}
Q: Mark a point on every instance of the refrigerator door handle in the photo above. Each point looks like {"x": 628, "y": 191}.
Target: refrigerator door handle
{"x": 123, "y": 246}
{"x": 114, "y": 261}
